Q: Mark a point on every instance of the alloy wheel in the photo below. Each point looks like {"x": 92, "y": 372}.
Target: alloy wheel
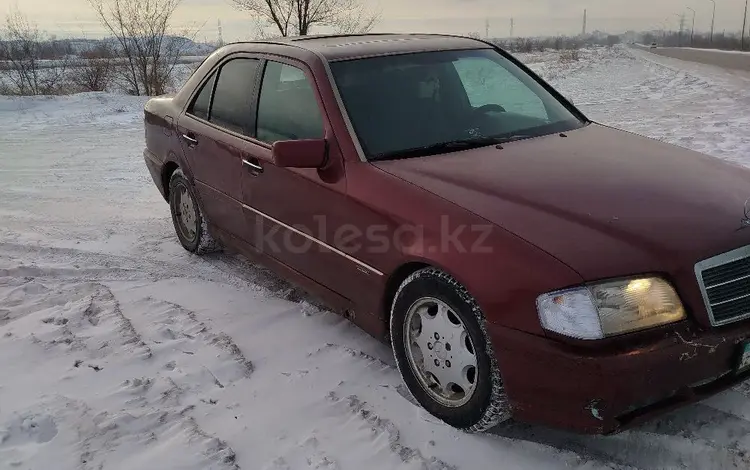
{"x": 186, "y": 214}
{"x": 440, "y": 352}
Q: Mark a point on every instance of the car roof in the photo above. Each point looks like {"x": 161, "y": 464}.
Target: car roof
{"x": 335, "y": 47}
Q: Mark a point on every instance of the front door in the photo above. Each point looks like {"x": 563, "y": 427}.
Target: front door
{"x": 300, "y": 216}
{"x": 212, "y": 132}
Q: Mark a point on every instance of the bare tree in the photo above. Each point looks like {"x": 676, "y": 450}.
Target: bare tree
{"x": 570, "y": 55}
{"x": 299, "y": 17}
{"x": 23, "y": 47}
{"x": 142, "y": 30}
{"x": 96, "y": 69}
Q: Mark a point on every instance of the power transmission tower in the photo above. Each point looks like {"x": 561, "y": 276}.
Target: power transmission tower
{"x": 682, "y": 27}
{"x": 713, "y": 21}
{"x": 584, "y": 22}
{"x": 744, "y": 25}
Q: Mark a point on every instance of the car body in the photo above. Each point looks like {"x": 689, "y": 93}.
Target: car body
{"x": 653, "y": 45}
{"x": 511, "y": 220}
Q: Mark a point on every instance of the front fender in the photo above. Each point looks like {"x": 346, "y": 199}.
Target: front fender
{"x": 504, "y": 273}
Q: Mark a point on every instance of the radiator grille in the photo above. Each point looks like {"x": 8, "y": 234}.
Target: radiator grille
{"x": 725, "y": 284}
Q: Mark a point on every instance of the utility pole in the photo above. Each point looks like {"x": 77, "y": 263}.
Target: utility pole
{"x": 584, "y": 22}
{"x": 512, "y": 23}
{"x": 682, "y": 27}
{"x": 487, "y": 28}
{"x": 692, "y": 31}
{"x": 221, "y": 36}
{"x": 744, "y": 25}
{"x": 713, "y": 21}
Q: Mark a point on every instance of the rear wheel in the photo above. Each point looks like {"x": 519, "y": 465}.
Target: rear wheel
{"x": 189, "y": 221}
{"x": 444, "y": 354}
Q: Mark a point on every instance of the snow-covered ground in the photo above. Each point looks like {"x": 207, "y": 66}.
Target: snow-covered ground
{"x": 118, "y": 350}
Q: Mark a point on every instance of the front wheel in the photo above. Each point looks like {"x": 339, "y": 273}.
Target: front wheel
{"x": 444, "y": 353}
{"x": 188, "y": 218}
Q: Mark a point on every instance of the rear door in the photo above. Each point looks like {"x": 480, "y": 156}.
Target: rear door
{"x": 213, "y": 132}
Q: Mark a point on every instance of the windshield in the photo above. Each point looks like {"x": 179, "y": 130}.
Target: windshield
{"x": 427, "y": 103}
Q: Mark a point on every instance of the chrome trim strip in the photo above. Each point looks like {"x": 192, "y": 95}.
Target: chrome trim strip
{"x": 719, "y": 260}
{"x": 730, "y": 300}
{"x": 742, "y": 278}
{"x": 315, "y": 240}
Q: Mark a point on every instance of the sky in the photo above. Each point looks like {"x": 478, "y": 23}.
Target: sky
{"x": 66, "y": 18}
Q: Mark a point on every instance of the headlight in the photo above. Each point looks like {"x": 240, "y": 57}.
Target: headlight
{"x": 610, "y": 308}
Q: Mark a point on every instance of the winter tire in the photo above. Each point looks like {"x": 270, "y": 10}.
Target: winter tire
{"x": 188, "y": 219}
{"x": 444, "y": 354}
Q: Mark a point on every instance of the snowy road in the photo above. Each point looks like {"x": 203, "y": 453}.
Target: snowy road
{"x": 118, "y": 350}
{"x": 732, "y": 60}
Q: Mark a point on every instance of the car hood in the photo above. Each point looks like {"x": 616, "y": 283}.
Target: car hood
{"x": 605, "y": 202}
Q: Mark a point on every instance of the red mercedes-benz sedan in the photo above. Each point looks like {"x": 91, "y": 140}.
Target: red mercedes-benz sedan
{"x": 523, "y": 261}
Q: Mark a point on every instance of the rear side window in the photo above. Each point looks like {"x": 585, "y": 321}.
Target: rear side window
{"x": 232, "y": 103}
{"x": 287, "y": 108}
{"x": 200, "y": 106}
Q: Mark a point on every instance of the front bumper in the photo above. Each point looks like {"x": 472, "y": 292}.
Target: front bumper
{"x": 582, "y": 390}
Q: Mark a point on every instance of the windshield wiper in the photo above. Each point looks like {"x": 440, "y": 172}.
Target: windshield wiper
{"x": 512, "y": 138}
{"x": 444, "y": 147}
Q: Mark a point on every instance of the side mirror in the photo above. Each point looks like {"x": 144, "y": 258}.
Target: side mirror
{"x": 310, "y": 153}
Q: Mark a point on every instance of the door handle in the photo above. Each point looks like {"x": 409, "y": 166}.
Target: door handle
{"x": 254, "y": 168}
{"x": 191, "y": 141}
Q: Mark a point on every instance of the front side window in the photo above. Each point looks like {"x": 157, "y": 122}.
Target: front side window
{"x": 287, "y": 107}
{"x": 232, "y": 102}
{"x": 436, "y": 102}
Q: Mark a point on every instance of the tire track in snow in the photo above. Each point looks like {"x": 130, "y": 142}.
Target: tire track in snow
{"x": 105, "y": 437}
{"x": 349, "y": 422}
{"x": 359, "y": 415}
{"x": 73, "y": 314}
{"x": 78, "y": 264}
{"x": 186, "y": 347}
{"x": 374, "y": 420}
{"x": 85, "y": 321}
{"x": 173, "y": 320}
{"x": 183, "y": 384}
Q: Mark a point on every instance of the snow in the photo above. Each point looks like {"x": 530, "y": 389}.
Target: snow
{"x": 119, "y": 350}
{"x": 696, "y": 106}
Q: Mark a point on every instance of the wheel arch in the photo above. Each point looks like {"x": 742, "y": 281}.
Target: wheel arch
{"x": 397, "y": 277}
{"x": 166, "y": 174}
